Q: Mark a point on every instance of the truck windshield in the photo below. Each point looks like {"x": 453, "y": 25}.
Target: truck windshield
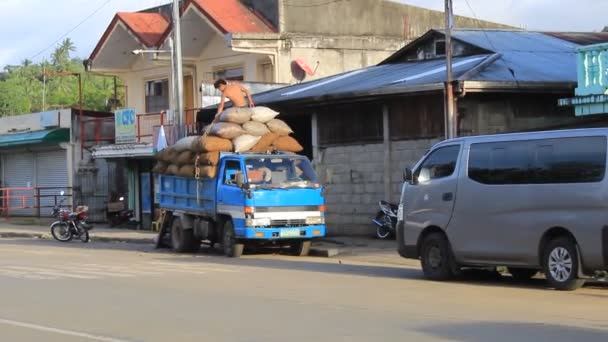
{"x": 280, "y": 172}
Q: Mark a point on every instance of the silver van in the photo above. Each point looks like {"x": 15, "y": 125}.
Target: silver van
{"x": 529, "y": 201}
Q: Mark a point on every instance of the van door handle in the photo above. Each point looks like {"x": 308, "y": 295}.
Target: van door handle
{"x": 448, "y": 196}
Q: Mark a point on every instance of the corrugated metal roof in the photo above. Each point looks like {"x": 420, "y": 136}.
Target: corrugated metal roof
{"x": 123, "y": 151}
{"x": 35, "y": 137}
{"x": 520, "y": 56}
{"x": 148, "y": 27}
{"x": 581, "y": 38}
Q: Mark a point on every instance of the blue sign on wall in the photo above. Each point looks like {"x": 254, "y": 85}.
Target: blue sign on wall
{"x": 124, "y": 122}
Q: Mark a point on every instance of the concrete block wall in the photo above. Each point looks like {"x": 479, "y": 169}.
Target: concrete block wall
{"x": 354, "y": 178}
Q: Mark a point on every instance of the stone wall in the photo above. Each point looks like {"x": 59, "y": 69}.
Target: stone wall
{"x": 354, "y": 181}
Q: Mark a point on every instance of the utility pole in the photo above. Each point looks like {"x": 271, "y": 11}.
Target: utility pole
{"x": 179, "y": 77}
{"x": 174, "y": 110}
{"x": 452, "y": 128}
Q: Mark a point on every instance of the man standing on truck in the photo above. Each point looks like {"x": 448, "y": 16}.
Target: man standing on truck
{"x": 234, "y": 92}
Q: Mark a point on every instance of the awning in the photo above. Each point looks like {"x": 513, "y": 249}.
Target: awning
{"x": 53, "y": 136}
{"x": 123, "y": 151}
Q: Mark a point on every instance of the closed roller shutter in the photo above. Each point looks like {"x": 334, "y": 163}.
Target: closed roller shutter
{"x": 51, "y": 178}
{"x": 19, "y": 173}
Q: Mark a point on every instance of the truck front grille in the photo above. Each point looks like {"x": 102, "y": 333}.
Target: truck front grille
{"x": 288, "y": 223}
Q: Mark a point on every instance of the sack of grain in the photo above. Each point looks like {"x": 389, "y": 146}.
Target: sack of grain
{"x": 160, "y": 154}
{"x": 172, "y": 169}
{"x": 226, "y": 130}
{"x": 160, "y": 167}
{"x": 209, "y": 158}
{"x": 208, "y": 171}
{"x": 184, "y": 144}
{"x": 265, "y": 143}
{"x": 210, "y": 143}
{"x": 236, "y": 115}
{"x": 263, "y": 114}
{"x": 185, "y": 157}
{"x": 186, "y": 171}
{"x": 279, "y": 127}
{"x": 169, "y": 155}
{"x": 245, "y": 142}
{"x": 287, "y": 144}
{"x": 255, "y": 128}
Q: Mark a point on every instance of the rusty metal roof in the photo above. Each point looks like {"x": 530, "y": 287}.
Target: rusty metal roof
{"x": 231, "y": 16}
{"x": 148, "y": 27}
{"x": 581, "y": 38}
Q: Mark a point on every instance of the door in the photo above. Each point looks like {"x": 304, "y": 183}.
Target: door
{"x": 429, "y": 200}
{"x": 231, "y": 198}
{"x": 19, "y": 172}
{"x": 51, "y": 178}
{"x": 189, "y": 100}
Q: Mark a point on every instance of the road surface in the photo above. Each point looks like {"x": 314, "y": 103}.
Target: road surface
{"x": 121, "y": 292}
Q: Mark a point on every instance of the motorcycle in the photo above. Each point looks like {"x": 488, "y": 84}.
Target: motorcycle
{"x": 386, "y": 220}
{"x": 70, "y": 224}
{"x": 118, "y": 215}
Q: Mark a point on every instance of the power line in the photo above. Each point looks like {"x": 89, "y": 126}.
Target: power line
{"x": 71, "y": 30}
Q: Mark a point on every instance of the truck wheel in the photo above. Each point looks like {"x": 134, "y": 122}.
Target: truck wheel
{"x": 183, "y": 240}
{"x": 231, "y": 247}
{"x": 561, "y": 264}
{"x": 300, "y": 248}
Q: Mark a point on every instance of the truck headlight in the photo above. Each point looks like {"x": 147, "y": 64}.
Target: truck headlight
{"x": 315, "y": 220}
{"x": 259, "y": 222}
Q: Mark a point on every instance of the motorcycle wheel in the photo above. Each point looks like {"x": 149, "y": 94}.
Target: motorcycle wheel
{"x": 382, "y": 232}
{"x": 84, "y": 235}
{"x": 61, "y": 232}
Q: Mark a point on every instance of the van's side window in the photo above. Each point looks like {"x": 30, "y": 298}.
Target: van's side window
{"x": 439, "y": 164}
{"x": 544, "y": 161}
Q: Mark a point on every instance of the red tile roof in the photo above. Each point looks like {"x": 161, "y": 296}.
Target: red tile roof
{"x": 147, "y": 27}
{"x": 231, "y": 16}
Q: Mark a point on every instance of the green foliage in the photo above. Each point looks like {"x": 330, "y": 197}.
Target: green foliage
{"x": 22, "y": 86}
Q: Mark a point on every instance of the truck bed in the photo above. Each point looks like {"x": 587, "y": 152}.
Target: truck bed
{"x": 180, "y": 193}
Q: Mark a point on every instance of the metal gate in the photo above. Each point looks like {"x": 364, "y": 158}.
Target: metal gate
{"x": 51, "y": 178}
{"x": 18, "y": 172}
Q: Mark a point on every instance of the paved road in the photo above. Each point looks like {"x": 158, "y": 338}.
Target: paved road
{"x": 122, "y": 292}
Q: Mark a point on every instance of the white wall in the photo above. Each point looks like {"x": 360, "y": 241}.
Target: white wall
{"x": 32, "y": 121}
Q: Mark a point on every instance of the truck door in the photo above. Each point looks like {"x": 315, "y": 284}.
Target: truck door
{"x": 429, "y": 200}
{"x": 231, "y": 198}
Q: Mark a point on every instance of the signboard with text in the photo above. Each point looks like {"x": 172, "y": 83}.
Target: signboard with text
{"x": 124, "y": 122}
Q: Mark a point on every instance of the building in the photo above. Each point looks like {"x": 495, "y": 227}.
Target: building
{"x": 42, "y": 154}
{"x": 263, "y": 43}
{"x": 363, "y": 127}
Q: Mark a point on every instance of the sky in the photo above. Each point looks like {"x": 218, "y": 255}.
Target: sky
{"x": 29, "y": 28}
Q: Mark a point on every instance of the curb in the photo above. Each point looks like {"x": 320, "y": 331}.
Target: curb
{"x": 325, "y": 252}
{"x": 43, "y": 236}
{"x": 10, "y": 235}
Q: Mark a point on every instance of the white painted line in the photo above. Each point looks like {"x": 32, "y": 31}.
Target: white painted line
{"x": 51, "y": 273}
{"x": 59, "y": 331}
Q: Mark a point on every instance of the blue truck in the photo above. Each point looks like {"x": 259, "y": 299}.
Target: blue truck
{"x": 270, "y": 200}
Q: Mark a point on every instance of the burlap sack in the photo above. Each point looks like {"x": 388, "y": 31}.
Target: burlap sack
{"x": 186, "y": 171}
{"x": 160, "y": 167}
{"x": 265, "y": 143}
{"x": 245, "y": 142}
{"x": 184, "y": 144}
{"x": 236, "y": 115}
{"x": 185, "y": 157}
{"x": 208, "y": 171}
{"x": 257, "y": 129}
{"x": 263, "y": 114}
{"x": 160, "y": 154}
{"x": 169, "y": 154}
{"x": 209, "y": 158}
{"x": 172, "y": 169}
{"x": 279, "y": 127}
{"x": 226, "y": 130}
{"x": 288, "y": 144}
{"x": 212, "y": 144}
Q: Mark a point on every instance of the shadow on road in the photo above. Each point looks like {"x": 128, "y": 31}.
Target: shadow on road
{"x": 513, "y": 331}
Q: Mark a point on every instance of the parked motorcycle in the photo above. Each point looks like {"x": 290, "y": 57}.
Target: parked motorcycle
{"x": 118, "y": 215}
{"x": 70, "y": 224}
{"x": 386, "y": 220}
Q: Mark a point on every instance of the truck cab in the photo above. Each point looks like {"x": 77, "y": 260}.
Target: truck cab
{"x": 271, "y": 200}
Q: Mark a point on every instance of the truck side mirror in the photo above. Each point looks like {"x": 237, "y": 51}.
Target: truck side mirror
{"x": 408, "y": 176}
{"x": 240, "y": 179}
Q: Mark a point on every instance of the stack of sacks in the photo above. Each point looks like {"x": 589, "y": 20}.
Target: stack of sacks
{"x": 237, "y": 130}
{"x": 255, "y": 130}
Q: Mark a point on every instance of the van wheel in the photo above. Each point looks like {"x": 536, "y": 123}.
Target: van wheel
{"x": 436, "y": 258}
{"x": 522, "y": 274}
{"x": 229, "y": 243}
{"x": 183, "y": 240}
{"x": 561, "y": 264}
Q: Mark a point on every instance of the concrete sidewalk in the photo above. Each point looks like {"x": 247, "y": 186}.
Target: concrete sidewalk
{"x": 361, "y": 247}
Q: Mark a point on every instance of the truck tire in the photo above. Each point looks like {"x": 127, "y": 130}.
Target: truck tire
{"x": 229, "y": 243}
{"x": 300, "y": 248}
{"x": 183, "y": 240}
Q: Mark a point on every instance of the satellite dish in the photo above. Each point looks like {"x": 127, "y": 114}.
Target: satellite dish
{"x": 299, "y": 69}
